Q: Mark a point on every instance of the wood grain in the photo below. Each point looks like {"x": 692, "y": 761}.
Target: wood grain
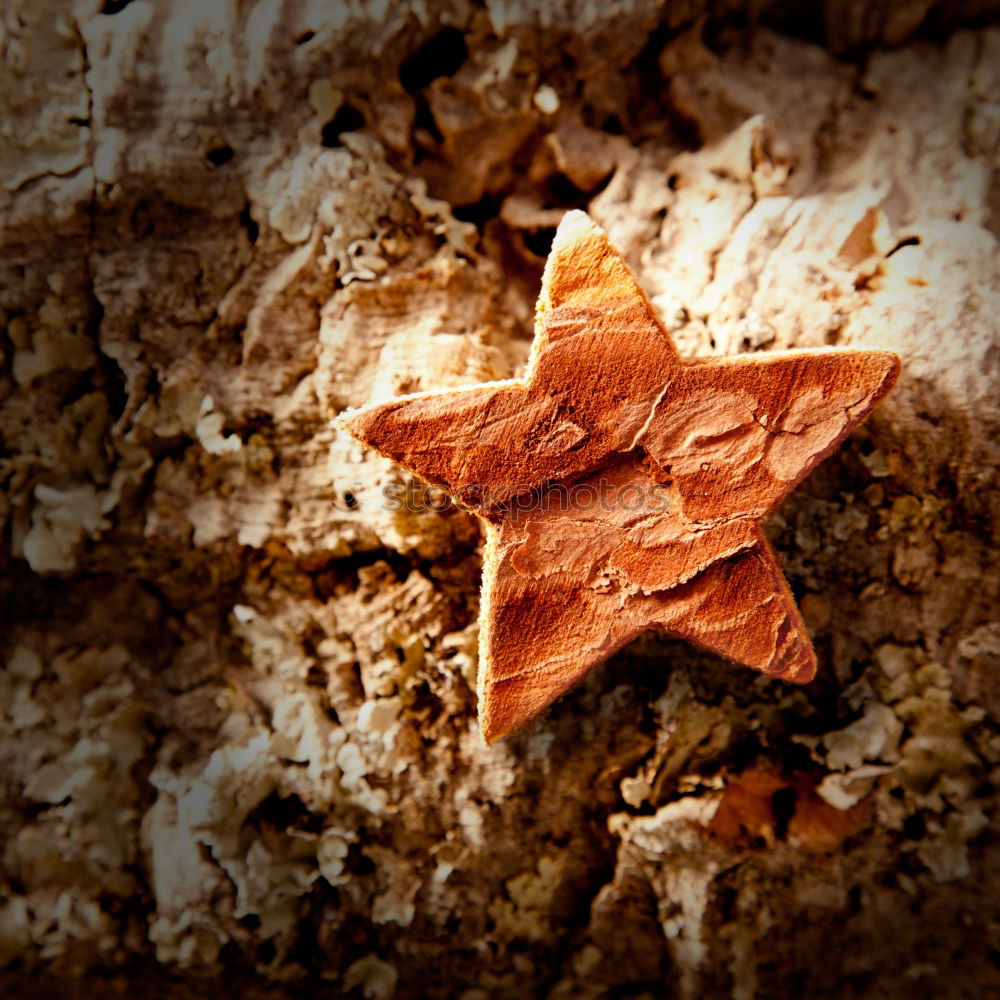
{"x": 621, "y": 487}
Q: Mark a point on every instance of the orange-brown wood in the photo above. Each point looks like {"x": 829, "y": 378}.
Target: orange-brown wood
{"x": 622, "y": 488}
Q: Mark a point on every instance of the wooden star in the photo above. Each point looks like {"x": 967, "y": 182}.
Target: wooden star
{"x": 621, "y": 487}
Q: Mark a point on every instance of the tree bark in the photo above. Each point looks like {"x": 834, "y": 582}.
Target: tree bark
{"x": 239, "y": 742}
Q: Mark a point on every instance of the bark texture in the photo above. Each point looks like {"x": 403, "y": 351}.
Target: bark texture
{"x": 238, "y": 708}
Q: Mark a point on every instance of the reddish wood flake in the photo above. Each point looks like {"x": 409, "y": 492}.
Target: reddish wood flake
{"x": 621, "y": 487}
{"x": 747, "y": 814}
{"x": 818, "y": 826}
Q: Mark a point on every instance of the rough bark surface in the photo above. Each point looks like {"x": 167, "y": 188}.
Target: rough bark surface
{"x": 238, "y": 711}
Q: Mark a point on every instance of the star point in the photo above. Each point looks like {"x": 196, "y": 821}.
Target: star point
{"x": 622, "y": 487}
